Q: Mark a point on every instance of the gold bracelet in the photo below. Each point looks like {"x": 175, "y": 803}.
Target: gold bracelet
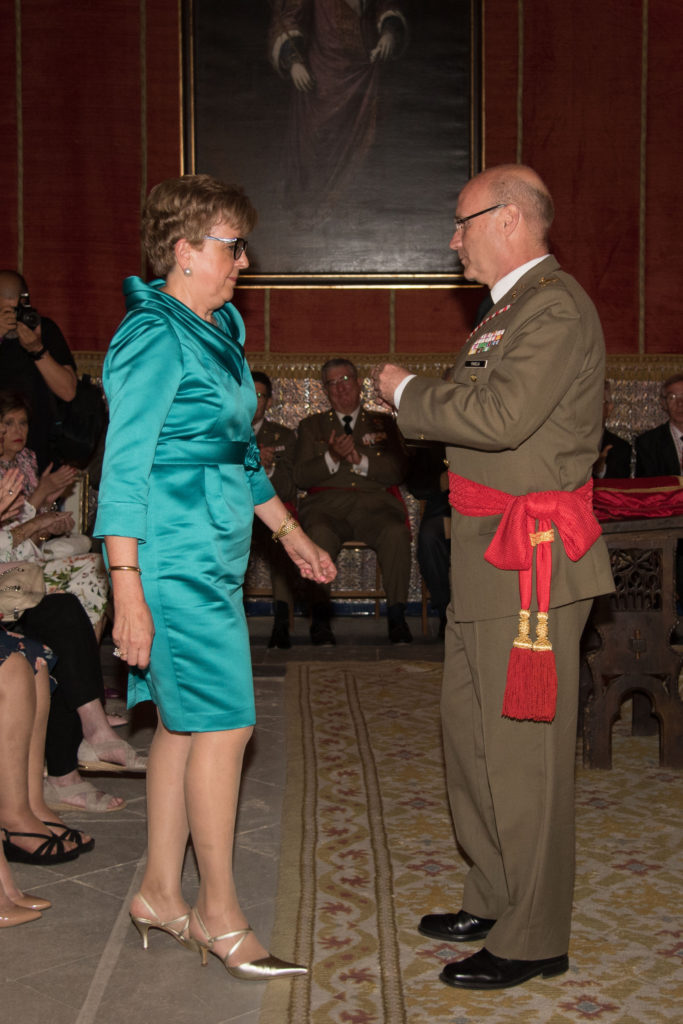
{"x": 126, "y": 568}
{"x": 288, "y": 524}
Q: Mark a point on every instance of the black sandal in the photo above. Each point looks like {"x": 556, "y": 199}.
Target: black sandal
{"x": 71, "y": 835}
{"x": 50, "y": 852}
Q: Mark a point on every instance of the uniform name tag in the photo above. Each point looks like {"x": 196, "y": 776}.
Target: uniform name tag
{"x": 476, "y": 362}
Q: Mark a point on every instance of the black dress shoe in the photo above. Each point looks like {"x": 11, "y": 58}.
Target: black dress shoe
{"x": 485, "y": 970}
{"x": 322, "y": 635}
{"x": 280, "y": 636}
{"x": 460, "y": 927}
{"x": 399, "y": 633}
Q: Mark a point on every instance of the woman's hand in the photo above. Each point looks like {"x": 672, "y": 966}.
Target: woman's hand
{"x": 313, "y": 562}
{"x": 55, "y": 524}
{"x": 11, "y": 493}
{"x": 52, "y": 484}
{"x": 133, "y": 629}
{"x": 42, "y": 526}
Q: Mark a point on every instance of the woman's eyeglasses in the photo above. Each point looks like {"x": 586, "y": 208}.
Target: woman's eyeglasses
{"x": 238, "y": 245}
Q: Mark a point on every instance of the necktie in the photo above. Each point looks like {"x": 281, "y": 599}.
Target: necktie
{"x": 348, "y": 429}
{"x": 484, "y": 306}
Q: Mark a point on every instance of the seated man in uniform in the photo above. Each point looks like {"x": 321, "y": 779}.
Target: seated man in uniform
{"x": 276, "y": 444}
{"x": 35, "y": 361}
{"x": 347, "y": 460}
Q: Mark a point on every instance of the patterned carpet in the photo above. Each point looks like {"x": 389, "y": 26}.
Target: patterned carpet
{"x": 368, "y": 848}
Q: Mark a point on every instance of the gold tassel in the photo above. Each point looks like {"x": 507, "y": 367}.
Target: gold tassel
{"x": 523, "y": 638}
{"x": 542, "y": 643}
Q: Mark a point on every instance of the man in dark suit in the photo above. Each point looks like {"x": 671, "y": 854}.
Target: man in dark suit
{"x": 348, "y": 460}
{"x": 659, "y": 452}
{"x": 615, "y": 453}
{"x": 276, "y": 445}
{"x": 521, "y": 421}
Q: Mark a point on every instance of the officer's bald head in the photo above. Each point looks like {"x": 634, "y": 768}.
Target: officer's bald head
{"x": 523, "y": 187}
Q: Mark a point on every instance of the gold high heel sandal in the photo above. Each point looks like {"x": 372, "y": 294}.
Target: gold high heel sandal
{"x": 257, "y": 970}
{"x": 181, "y": 934}
{"x": 29, "y": 902}
{"x": 15, "y": 915}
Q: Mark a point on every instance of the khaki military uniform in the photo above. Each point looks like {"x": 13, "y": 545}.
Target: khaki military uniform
{"x": 522, "y": 413}
{"x": 349, "y": 506}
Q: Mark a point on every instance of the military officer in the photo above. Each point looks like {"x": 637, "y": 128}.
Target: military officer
{"x": 521, "y": 419}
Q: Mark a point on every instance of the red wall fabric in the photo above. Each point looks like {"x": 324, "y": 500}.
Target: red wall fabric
{"x": 664, "y": 252}
{"x": 100, "y": 102}
{"x": 9, "y": 226}
{"x": 82, "y": 158}
{"x": 581, "y": 131}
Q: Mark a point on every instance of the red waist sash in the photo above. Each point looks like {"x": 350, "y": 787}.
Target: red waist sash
{"x": 531, "y": 689}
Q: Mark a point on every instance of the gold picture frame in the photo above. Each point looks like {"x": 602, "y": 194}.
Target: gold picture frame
{"x": 75, "y": 501}
{"x": 353, "y": 192}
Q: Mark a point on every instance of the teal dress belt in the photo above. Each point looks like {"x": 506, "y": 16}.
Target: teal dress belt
{"x": 200, "y": 451}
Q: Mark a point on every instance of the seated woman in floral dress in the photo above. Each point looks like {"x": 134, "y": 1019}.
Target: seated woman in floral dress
{"x": 31, "y": 832}
{"x": 81, "y": 574}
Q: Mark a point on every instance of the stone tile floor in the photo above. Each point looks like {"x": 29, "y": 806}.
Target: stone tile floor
{"x": 83, "y": 962}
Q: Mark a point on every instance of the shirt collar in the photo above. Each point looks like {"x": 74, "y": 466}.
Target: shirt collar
{"x": 354, "y": 416}
{"x": 506, "y": 283}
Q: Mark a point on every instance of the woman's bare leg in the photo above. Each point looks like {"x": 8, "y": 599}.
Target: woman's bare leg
{"x": 18, "y": 702}
{"x": 212, "y": 782}
{"x": 167, "y": 825}
{"x": 36, "y": 754}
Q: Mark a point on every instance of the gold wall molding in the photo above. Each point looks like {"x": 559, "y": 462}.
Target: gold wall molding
{"x": 305, "y": 365}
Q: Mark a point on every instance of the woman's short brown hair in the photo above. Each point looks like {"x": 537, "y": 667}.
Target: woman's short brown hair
{"x": 12, "y": 400}
{"x": 188, "y": 207}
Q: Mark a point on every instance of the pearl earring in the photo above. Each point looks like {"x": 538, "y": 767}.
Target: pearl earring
{"x": 187, "y": 271}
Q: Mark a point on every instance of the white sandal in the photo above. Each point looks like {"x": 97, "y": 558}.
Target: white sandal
{"x": 96, "y": 802}
{"x": 98, "y": 758}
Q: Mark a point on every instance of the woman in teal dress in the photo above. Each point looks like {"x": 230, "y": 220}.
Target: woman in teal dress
{"x": 181, "y": 481}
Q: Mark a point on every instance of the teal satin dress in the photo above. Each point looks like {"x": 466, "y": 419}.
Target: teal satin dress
{"x": 182, "y": 473}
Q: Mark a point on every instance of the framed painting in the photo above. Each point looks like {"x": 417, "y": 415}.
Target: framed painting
{"x": 352, "y": 125}
{"x": 75, "y": 501}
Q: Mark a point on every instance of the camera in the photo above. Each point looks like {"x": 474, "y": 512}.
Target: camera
{"x": 26, "y": 314}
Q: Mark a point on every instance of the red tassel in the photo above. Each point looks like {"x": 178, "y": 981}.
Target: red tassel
{"x": 531, "y": 686}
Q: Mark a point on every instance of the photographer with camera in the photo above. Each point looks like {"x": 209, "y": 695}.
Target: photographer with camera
{"x": 34, "y": 359}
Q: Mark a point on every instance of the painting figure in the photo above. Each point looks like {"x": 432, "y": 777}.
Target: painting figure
{"x": 332, "y": 51}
